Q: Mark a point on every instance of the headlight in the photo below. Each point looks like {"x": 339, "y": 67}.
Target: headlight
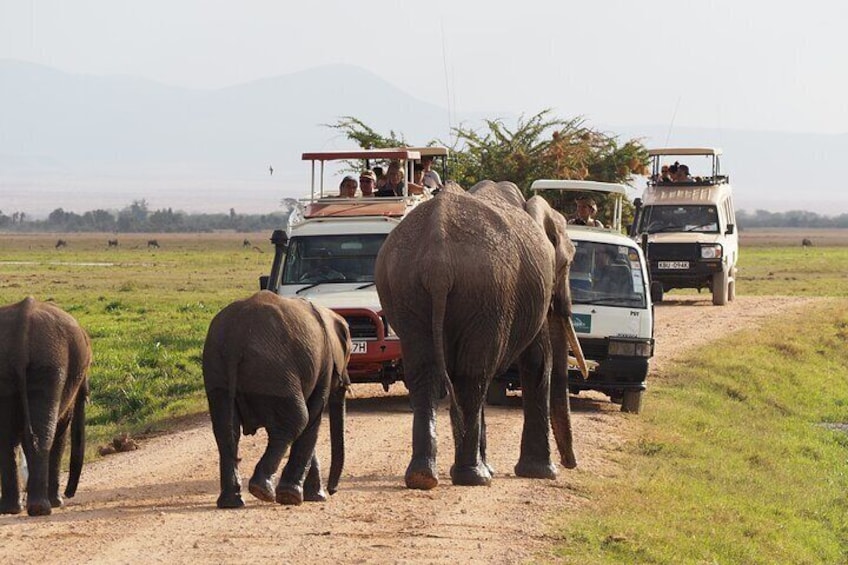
{"x": 630, "y": 348}
{"x": 711, "y": 251}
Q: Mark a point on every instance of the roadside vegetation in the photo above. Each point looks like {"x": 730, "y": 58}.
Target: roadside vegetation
{"x": 740, "y": 456}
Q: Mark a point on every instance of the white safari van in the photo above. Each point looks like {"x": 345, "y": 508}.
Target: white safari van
{"x": 611, "y": 304}
{"x": 687, "y": 224}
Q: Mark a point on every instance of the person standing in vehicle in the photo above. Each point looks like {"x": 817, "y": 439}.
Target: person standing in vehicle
{"x": 586, "y": 210}
{"x": 430, "y": 178}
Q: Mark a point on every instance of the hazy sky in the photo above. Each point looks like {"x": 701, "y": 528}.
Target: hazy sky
{"x": 739, "y": 64}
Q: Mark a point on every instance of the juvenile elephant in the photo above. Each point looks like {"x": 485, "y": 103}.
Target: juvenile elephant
{"x": 44, "y": 360}
{"x": 276, "y": 362}
{"x": 472, "y": 282}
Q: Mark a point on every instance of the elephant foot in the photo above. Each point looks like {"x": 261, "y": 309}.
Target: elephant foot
{"x": 56, "y": 501}
{"x": 230, "y": 500}
{"x": 312, "y": 495}
{"x": 535, "y": 469}
{"x": 421, "y": 475}
{"x": 11, "y": 507}
{"x": 263, "y": 489}
{"x": 290, "y": 495}
{"x": 39, "y": 507}
{"x": 476, "y": 476}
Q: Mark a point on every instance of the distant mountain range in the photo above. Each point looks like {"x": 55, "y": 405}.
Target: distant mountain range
{"x": 82, "y": 142}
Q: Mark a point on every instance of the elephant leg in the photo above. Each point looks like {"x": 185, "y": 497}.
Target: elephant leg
{"x": 55, "y": 468}
{"x": 43, "y": 393}
{"x": 421, "y": 472}
{"x": 469, "y": 468}
{"x": 10, "y": 487}
{"x": 303, "y": 460}
{"x": 313, "y": 488}
{"x": 285, "y": 419}
{"x": 483, "y": 440}
{"x": 227, "y": 434}
{"x": 534, "y": 366}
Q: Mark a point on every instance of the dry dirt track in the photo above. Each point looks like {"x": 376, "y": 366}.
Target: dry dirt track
{"x": 157, "y": 504}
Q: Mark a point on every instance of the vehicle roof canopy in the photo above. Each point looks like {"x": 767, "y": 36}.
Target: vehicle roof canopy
{"x": 405, "y": 154}
{"x": 578, "y": 186}
{"x": 684, "y": 151}
{"x": 435, "y": 151}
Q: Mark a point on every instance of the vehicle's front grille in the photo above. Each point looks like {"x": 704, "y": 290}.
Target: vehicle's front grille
{"x": 674, "y": 251}
{"x": 362, "y": 327}
{"x": 595, "y": 349}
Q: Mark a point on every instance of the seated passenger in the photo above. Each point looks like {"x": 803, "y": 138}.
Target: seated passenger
{"x": 682, "y": 174}
{"x": 347, "y": 188}
{"x": 430, "y": 178}
{"x": 367, "y": 182}
{"x": 586, "y": 210}
{"x": 395, "y": 183}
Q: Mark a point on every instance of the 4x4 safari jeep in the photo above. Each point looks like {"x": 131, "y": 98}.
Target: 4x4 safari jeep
{"x": 688, "y": 225}
{"x": 611, "y": 304}
{"x": 327, "y": 253}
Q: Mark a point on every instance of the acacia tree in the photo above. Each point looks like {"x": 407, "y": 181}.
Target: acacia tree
{"x": 542, "y": 146}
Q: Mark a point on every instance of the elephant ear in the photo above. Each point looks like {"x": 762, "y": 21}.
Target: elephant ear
{"x": 341, "y": 349}
{"x": 555, "y": 226}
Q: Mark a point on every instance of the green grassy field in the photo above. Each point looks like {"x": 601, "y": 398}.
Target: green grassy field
{"x": 740, "y": 458}
{"x": 146, "y": 310}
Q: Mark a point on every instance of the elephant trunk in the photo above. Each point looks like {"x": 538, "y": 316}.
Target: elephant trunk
{"x": 77, "y": 442}
{"x": 560, "y": 410}
{"x": 337, "y": 446}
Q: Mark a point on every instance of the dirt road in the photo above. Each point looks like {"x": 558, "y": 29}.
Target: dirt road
{"x": 157, "y": 504}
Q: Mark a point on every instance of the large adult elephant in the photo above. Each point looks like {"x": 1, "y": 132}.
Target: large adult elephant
{"x": 472, "y": 282}
{"x": 44, "y": 360}
{"x": 276, "y": 362}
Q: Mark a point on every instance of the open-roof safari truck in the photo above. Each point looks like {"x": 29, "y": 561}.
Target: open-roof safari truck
{"x": 611, "y": 305}
{"x": 688, "y": 224}
{"x": 327, "y": 253}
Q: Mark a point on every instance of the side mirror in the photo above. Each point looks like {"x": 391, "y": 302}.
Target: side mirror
{"x": 263, "y": 282}
{"x": 730, "y": 229}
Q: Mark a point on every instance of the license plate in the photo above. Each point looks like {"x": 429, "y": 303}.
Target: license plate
{"x": 673, "y": 264}
{"x": 359, "y": 347}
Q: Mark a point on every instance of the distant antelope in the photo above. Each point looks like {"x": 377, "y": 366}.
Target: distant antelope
{"x": 61, "y": 243}
{"x": 113, "y": 243}
{"x": 245, "y": 243}
{"x": 152, "y": 243}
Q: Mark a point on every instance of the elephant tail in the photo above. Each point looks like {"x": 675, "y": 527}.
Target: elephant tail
{"x": 20, "y": 362}
{"x": 440, "y": 299}
{"x": 337, "y": 441}
{"x": 77, "y": 442}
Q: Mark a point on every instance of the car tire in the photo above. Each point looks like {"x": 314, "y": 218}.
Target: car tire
{"x": 720, "y": 288}
{"x": 656, "y": 291}
{"x": 496, "y": 395}
{"x": 631, "y": 402}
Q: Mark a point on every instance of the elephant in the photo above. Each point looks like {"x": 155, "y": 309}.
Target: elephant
{"x": 471, "y": 283}
{"x": 276, "y": 362}
{"x": 44, "y": 359}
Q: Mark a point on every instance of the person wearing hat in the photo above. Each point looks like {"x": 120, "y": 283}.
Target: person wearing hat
{"x": 586, "y": 210}
{"x": 367, "y": 182}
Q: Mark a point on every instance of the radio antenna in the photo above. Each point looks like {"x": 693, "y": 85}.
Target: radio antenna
{"x": 447, "y": 82}
{"x": 673, "y": 116}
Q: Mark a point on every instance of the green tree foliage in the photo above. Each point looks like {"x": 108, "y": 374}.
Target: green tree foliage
{"x": 540, "y": 147}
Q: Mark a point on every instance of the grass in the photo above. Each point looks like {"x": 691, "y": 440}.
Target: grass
{"x": 733, "y": 463}
{"x": 147, "y": 312}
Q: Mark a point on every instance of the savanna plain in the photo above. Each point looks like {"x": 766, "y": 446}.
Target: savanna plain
{"x": 739, "y": 454}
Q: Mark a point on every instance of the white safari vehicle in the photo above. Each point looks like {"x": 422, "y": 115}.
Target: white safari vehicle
{"x": 327, "y": 253}
{"x": 611, "y": 304}
{"x": 687, "y": 225}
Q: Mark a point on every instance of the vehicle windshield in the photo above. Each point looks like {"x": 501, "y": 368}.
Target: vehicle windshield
{"x": 606, "y": 275}
{"x": 332, "y": 258}
{"x": 703, "y": 219}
